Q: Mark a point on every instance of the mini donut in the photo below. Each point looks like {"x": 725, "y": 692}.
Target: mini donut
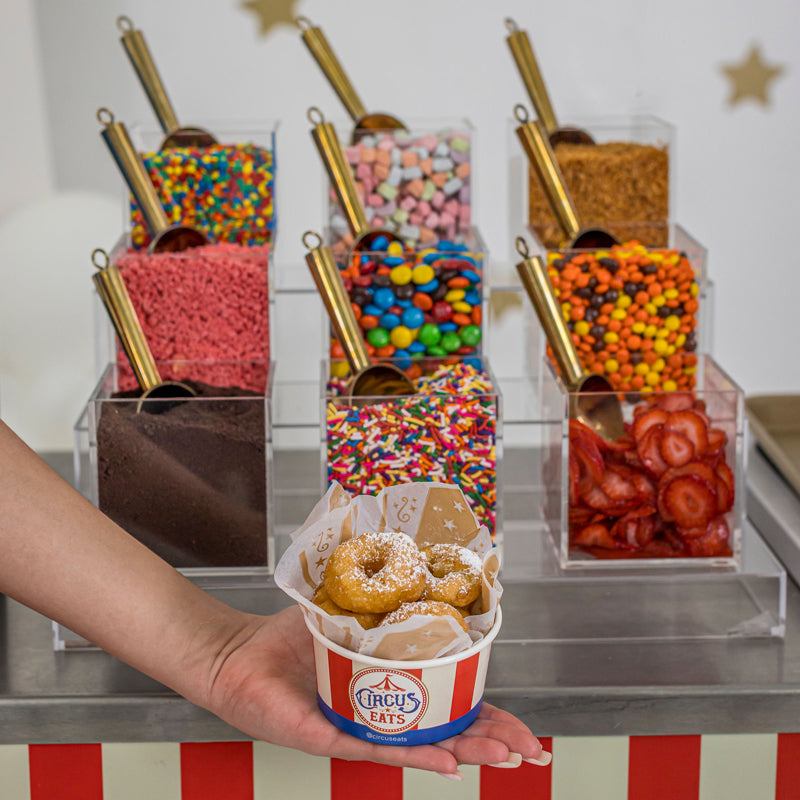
{"x": 375, "y": 572}
{"x": 322, "y": 600}
{"x": 454, "y": 574}
{"x": 424, "y": 608}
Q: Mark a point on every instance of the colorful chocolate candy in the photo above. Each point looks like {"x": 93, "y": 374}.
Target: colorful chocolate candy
{"x": 224, "y": 191}
{"x": 446, "y": 432}
{"x": 414, "y": 304}
{"x": 632, "y": 311}
{"x": 415, "y": 186}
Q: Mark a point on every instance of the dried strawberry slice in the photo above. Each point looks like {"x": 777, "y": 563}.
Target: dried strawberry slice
{"x": 692, "y": 426}
{"x": 717, "y": 439}
{"x": 574, "y": 472}
{"x": 725, "y": 492}
{"x": 676, "y": 401}
{"x": 580, "y": 515}
{"x": 638, "y": 528}
{"x": 676, "y": 449}
{"x": 649, "y": 451}
{"x": 617, "y": 483}
{"x": 645, "y": 488}
{"x": 714, "y": 542}
{"x": 644, "y": 422}
{"x": 688, "y": 500}
{"x": 595, "y": 535}
{"x": 590, "y": 464}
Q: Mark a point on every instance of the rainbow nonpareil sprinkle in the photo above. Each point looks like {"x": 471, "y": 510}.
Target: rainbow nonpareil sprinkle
{"x": 447, "y": 433}
{"x": 225, "y": 191}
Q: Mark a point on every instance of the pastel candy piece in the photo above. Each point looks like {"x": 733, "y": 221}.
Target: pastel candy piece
{"x": 397, "y": 155}
{"x": 401, "y": 215}
{"x": 381, "y": 171}
{"x": 386, "y": 143}
{"x": 459, "y": 158}
{"x": 429, "y": 142}
{"x": 464, "y": 194}
{"x": 387, "y": 191}
{"x": 408, "y": 203}
{"x": 451, "y": 206}
{"x": 368, "y": 154}
{"x": 452, "y": 186}
{"x": 446, "y": 219}
{"x": 416, "y": 218}
{"x": 387, "y": 209}
{"x": 462, "y": 170}
{"x": 464, "y": 215}
{"x": 426, "y": 165}
{"x": 415, "y": 187}
{"x": 375, "y": 200}
{"x": 368, "y": 141}
{"x": 395, "y": 176}
{"x": 441, "y": 149}
{"x": 377, "y": 222}
{"x": 437, "y": 201}
{"x": 383, "y": 156}
{"x": 432, "y": 220}
{"x": 442, "y": 164}
{"x": 352, "y": 154}
{"x": 339, "y": 224}
{"x": 422, "y": 152}
{"x": 410, "y": 158}
{"x": 428, "y": 191}
{"x": 439, "y": 178}
{"x": 426, "y": 234}
{"x": 410, "y": 173}
{"x": 369, "y": 213}
{"x": 423, "y": 207}
{"x": 459, "y": 144}
{"x": 409, "y": 232}
{"x": 363, "y": 171}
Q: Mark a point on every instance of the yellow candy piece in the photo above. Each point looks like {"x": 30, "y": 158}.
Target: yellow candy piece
{"x": 582, "y": 327}
{"x": 400, "y": 275}
{"x": 422, "y": 273}
{"x": 340, "y": 369}
{"x": 395, "y": 249}
{"x": 462, "y": 308}
{"x": 652, "y": 378}
{"x": 454, "y": 295}
{"x": 669, "y": 385}
{"x": 672, "y": 322}
{"x": 611, "y": 366}
{"x": 401, "y": 337}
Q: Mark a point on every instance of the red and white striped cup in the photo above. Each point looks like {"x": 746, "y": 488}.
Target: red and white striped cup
{"x": 401, "y": 702}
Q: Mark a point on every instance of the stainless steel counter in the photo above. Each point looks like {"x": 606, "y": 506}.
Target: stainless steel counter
{"x": 558, "y": 687}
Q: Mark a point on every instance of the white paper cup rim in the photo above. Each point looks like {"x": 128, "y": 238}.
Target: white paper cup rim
{"x": 429, "y": 663}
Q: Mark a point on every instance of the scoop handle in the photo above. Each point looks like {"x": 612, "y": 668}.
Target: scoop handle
{"x": 133, "y": 170}
{"x": 536, "y": 281}
{"x": 541, "y": 157}
{"x": 117, "y": 302}
{"x": 135, "y": 46}
{"x": 317, "y": 43}
{"x": 331, "y": 287}
{"x": 330, "y": 151}
{"x": 522, "y": 52}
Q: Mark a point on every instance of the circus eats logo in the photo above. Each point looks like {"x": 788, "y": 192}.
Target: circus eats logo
{"x": 388, "y": 700}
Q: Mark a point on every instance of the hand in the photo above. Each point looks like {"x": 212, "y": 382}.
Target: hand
{"x": 265, "y": 686}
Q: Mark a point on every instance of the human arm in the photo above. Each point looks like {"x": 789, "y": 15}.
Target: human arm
{"x": 64, "y": 558}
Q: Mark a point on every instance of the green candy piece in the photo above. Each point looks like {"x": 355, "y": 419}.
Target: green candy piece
{"x": 471, "y": 335}
{"x": 378, "y": 337}
{"x": 429, "y": 334}
{"x": 435, "y": 350}
{"x": 451, "y": 341}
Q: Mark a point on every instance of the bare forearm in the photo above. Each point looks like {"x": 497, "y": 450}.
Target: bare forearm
{"x": 61, "y": 556}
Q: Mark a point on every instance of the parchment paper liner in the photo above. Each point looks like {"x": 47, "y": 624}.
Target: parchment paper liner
{"x": 430, "y": 513}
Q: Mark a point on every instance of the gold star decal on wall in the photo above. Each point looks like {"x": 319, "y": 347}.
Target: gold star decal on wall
{"x": 750, "y": 79}
{"x": 270, "y": 13}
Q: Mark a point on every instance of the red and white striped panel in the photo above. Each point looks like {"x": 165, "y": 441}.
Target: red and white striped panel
{"x": 727, "y": 767}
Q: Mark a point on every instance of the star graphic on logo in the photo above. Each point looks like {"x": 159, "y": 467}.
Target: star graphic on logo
{"x": 750, "y": 79}
{"x": 270, "y": 13}
{"x": 449, "y": 524}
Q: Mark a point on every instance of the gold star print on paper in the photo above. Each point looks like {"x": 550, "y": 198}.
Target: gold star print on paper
{"x": 751, "y": 78}
{"x": 270, "y": 13}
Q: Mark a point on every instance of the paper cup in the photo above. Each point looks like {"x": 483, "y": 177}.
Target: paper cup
{"x": 401, "y": 702}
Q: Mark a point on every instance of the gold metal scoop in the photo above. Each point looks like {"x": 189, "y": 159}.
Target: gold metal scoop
{"x": 317, "y": 43}
{"x": 369, "y": 379}
{"x": 521, "y": 50}
{"x": 541, "y": 157}
{"x": 165, "y": 237}
{"x": 139, "y": 54}
{"x": 593, "y": 400}
{"x": 330, "y": 151}
{"x": 117, "y": 302}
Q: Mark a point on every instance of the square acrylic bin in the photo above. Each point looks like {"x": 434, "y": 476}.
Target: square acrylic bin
{"x": 191, "y": 480}
{"x": 450, "y": 431}
{"x": 426, "y": 301}
{"x": 196, "y": 306}
{"x": 645, "y": 301}
{"x": 622, "y": 183}
{"x": 416, "y": 182}
{"x": 669, "y": 492}
{"x": 226, "y": 191}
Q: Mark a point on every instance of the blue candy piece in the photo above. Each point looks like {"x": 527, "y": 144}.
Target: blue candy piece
{"x": 402, "y": 358}
{"x": 446, "y": 245}
{"x": 373, "y": 310}
{"x": 473, "y": 361}
{"x": 379, "y": 243}
{"x": 445, "y": 327}
{"x": 404, "y": 303}
{"x": 428, "y": 287}
{"x": 416, "y": 347}
{"x": 471, "y": 276}
{"x": 413, "y": 318}
{"x": 431, "y": 257}
{"x": 394, "y": 261}
{"x": 389, "y": 321}
{"x": 384, "y": 298}
{"x": 473, "y": 298}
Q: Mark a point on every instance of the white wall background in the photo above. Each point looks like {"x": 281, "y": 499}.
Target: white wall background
{"x": 737, "y": 169}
